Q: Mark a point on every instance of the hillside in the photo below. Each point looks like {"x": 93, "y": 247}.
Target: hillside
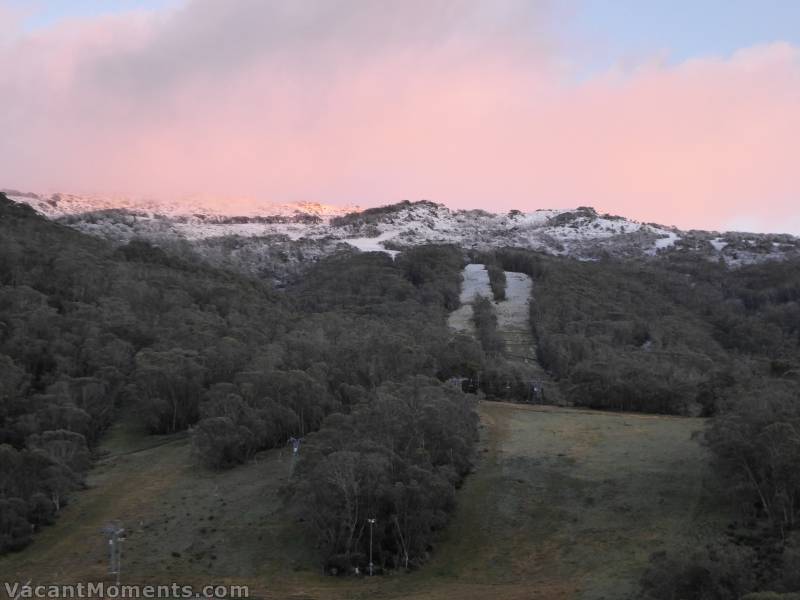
{"x": 92, "y": 335}
{"x": 140, "y": 384}
{"x": 278, "y": 241}
{"x": 564, "y": 505}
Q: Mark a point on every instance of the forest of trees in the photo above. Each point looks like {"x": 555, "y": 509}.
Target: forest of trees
{"x": 86, "y": 331}
{"x": 397, "y": 459}
{"x": 89, "y": 332}
{"x": 403, "y": 442}
{"x": 677, "y": 335}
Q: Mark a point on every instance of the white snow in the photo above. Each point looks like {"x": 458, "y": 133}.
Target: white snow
{"x": 581, "y": 233}
{"x": 199, "y": 231}
{"x": 474, "y": 282}
{"x": 193, "y": 209}
{"x": 718, "y": 243}
{"x": 513, "y": 311}
{"x": 374, "y": 244}
{"x": 513, "y": 314}
{"x": 666, "y": 242}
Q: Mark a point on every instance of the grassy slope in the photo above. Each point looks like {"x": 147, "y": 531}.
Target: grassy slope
{"x": 564, "y": 504}
{"x": 573, "y": 502}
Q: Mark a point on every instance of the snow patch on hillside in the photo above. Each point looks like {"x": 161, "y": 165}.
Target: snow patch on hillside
{"x": 307, "y": 231}
{"x": 374, "y": 244}
{"x": 718, "y": 244}
{"x": 666, "y": 242}
{"x": 191, "y": 210}
{"x": 474, "y": 282}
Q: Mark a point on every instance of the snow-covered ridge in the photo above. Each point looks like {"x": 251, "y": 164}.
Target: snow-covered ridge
{"x": 579, "y": 232}
{"x": 267, "y": 234}
{"x": 205, "y": 209}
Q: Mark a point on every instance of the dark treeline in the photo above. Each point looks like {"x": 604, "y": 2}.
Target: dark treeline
{"x": 403, "y": 442}
{"x": 86, "y": 330}
{"x": 678, "y": 335}
{"x": 359, "y": 321}
{"x": 396, "y": 459}
{"x": 359, "y": 376}
{"x": 372, "y": 216}
{"x": 485, "y": 320}
{"x": 89, "y": 333}
{"x": 497, "y": 281}
{"x": 615, "y": 337}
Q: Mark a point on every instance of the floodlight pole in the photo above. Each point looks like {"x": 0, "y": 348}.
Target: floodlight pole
{"x": 371, "y": 523}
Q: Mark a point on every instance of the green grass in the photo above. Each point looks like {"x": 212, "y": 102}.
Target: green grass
{"x": 563, "y": 504}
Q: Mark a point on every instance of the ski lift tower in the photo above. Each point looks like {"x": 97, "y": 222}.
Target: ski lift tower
{"x": 115, "y": 534}
{"x": 295, "y": 442}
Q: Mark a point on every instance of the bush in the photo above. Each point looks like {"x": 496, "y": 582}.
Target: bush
{"x": 220, "y": 442}
{"x": 15, "y": 531}
{"x": 497, "y": 281}
{"x": 485, "y": 320}
{"x": 714, "y": 572}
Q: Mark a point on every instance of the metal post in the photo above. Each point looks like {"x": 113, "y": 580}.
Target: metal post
{"x": 371, "y": 523}
{"x": 116, "y": 535}
{"x": 112, "y": 556}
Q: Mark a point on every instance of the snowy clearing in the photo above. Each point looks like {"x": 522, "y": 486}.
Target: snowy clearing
{"x": 475, "y": 280}
{"x": 718, "y": 244}
{"x": 666, "y": 242}
{"x": 513, "y": 317}
{"x": 374, "y": 244}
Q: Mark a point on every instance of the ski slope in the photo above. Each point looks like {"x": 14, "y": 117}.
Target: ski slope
{"x": 513, "y": 316}
{"x": 475, "y": 282}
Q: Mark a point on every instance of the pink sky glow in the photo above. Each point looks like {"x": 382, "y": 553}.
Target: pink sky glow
{"x": 354, "y": 105}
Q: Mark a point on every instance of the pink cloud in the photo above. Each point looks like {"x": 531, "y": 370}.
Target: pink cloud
{"x": 452, "y": 101}
{"x": 11, "y": 18}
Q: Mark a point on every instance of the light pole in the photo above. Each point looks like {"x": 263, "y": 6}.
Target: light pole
{"x": 371, "y": 523}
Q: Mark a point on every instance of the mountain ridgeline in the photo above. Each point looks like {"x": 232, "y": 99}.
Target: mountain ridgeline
{"x": 278, "y": 242}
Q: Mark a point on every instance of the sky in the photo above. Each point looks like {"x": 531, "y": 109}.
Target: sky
{"x": 684, "y": 112}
